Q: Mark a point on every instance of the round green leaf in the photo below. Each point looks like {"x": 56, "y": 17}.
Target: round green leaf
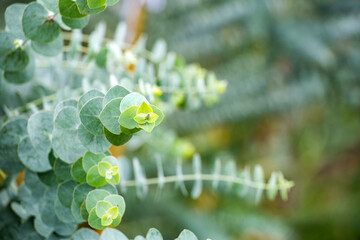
{"x": 6, "y": 46}
{"x": 84, "y": 8}
{"x": 87, "y": 96}
{"x": 95, "y": 3}
{"x": 63, "y": 213}
{"x": 40, "y": 126}
{"x": 43, "y": 229}
{"x": 64, "y": 103}
{"x": 111, "y": 2}
{"x": 75, "y": 211}
{"x": 84, "y": 213}
{"x": 117, "y": 201}
{"x": 94, "y": 220}
{"x": 21, "y": 76}
{"x": 62, "y": 170}
{"x": 77, "y": 171}
{"x": 65, "y": 141}
{"x": 47, "y": 212}
{"x": 91, "y": 159}
{"x": 69, "y": 9}
{"x": 49, "y": 49}
{"x": 94, "y": 196}
{"x": 11, "y": 133}
{"x": 159, "y": 113}
{"x": 153, "y": 234}
{"x": 80, "y": 193}
{"x": 115, "y": 139}
{"x": 37, "y": 26}
{"x": 31, "y": 158}
{"x": 102, "y": 207}
{"x": 103, "y": 167}
{"x": 95, "y": 144}
{"x": 13, "y": 16}
{"x": 109, "y": 116}
{"x": 89, "y": 116}
{"x": 85, "y": 234}
{"x": 16, "y": 60}
{"x": 132, "y": 99}
{"x": 93, "y": 178}
{"x": 65, "y": 193}
{"x": 116, "y": 221}
{"x": 127, "y": 118}
{"x": 116, "y": 91}
{"x": 31, "y": 180}
{"x": 48, "y": 178}
{"x": 129, "y": 131}
{"x": 112, "y": 160}
{"x": 76, "y": 23}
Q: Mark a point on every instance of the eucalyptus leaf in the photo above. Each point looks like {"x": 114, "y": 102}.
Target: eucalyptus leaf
{"x": 187, "y": 235}
{"x": 109, "y": 116}
{"x": 84, "y": 8}
{"x": 115, "y": 139}
{"x": 40, "y": 126}
{"x": 64, "y": 103}
{"x": 89, "y": 116}
{"x": 93, "y": 4}
{"x": 62, "y": 170}
{"x": 7, "y": 45}
{"x": 65, "y": 193}
{"x": 37, "y": 25}
{"x": 89, "y": 95}
{"x": 16, "y": 60}
{"x": 11, "y": 133}
{"x": 93, "y": 177}
{"x": 49, "y": 49}
{"x": 112, "y": 234}
{"x": 69, "y": 9}
{"x": 95, "y": 144}
{"x": 132, "y": 99}
{"x": 91, "y": 159}
{"x": 116, "y": 91}
{"x": 75, "y": 211}
{"x": 153, "y": 234}
{"x": 85, "y": 234}
{"x": 13, "y": 16}
{"x": 117, "y": 201}
{"x": 93, "y": 197}
{"x": 126, "y": 118}
{"x": 95, "y": 221}
{"x": 42, "y": 228}
{"x": 80, "y": 193}
{"x": 64, "y": 213}
{"x": 76, "y": 23}
{"x": 77, "y": 171}
{"x": 23, "y": 76}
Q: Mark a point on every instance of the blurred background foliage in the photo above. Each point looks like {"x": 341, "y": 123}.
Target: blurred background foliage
{"x": 292, "y": 104}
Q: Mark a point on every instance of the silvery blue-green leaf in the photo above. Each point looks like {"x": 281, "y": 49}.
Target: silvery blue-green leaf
{"x": 112, "y": 234}
{"x": 110, "y": 188}
{"x": 7, "y": 45}
{"x": 85, "y": 234}
{"x": 10, "y": 135}
{"x": 153, "y": 234}
{"x": 117, "y": 201}
{"x": 75, "y": 211}
{"x": 16, "y": 60}
{"x": 84, "y": 8}
{"x": 97, "y": 37}
{"x": 89, "y": 116}
{"x": 216, "y": 173}
{"x": 95, "y": 144}
{"x": 40, "y": 126}
{"x": 94, "y": 196}
{"x": 65, "y": 192}
{"x": 89, "y": 95}
{"x": 62, "y": 170}
{"x": 49, "y": 49}
{"x": 32, "y": 181}
{"x": 13, "y": 16}
{"x": 33, "y": 160}
{"x": 132, "y": 99}
{"x": 91, "y": 159}
{"x": 93, "y": 177}
{"x": 197, "y": 188}
{"x": 116, "y": 91}
{"x": 37, "y": 26}
{"x": 180, "y": 178}
{"x": 230, "y": 170}
{"x": 139, "y": 238}
{"x": 63, "y": 213}
{"x": 19, "y": 210}
{"x": 244, "y": 175}
{"x": 94, "y": 221}
{"x": 65, "y": 229}
{"x": 272, "y": 187}
{"x": 47, "y": 212}
{"x": 158, "y": 52}
{"x": 65, "y": 141}
{"x": 64, "y": 103}
{"x": 187, "y": 235}
{"x": 110, "y": 114}
{"x": 48, "y": 178}
{"x": 259, "y": 178}
{"x": 141, "y": 185}
{"x": 43, "y": 229}
{"x": 80, "y": 193}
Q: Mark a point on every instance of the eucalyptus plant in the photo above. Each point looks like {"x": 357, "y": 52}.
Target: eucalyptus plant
{"x": 59, "y": 143}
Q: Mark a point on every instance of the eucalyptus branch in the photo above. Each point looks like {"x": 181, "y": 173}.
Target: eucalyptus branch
{"x": 212, "y": 177}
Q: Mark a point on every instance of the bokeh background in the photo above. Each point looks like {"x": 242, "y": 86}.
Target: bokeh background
{"x": 292, "y": 104}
